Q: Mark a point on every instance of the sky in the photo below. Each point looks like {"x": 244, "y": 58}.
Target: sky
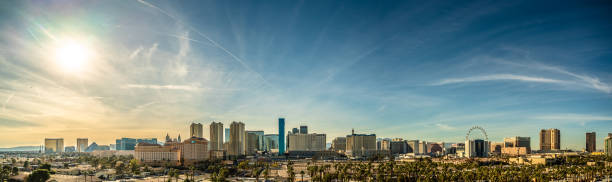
{"x": 415, "y": 70}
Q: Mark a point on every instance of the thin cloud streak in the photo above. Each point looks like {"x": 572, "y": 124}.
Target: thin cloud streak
{"x": 497, "y": 77}
{"x": 164, "y": 87}
{"x": 574, "y": 117}
{"x": 209, "y": 39}
{"x": 6, "y": 102}
{"x": 586, "y": 81}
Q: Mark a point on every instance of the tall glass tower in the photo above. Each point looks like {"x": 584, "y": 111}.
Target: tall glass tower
{"x": 281, "y": 136}
{"x": 227, "y": 134}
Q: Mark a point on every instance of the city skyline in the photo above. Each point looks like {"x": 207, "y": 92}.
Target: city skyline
{"x": 395, "y": 69}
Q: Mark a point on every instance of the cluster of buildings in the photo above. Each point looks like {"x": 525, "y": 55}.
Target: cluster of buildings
{"x": 235, "y": 142}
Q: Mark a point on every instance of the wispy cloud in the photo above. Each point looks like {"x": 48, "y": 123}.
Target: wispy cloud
{"x": 135, "y": 53}
{"x": 588, "y": 81}
{"x": 444, "y": 126}
{"x": 496, "y": 77}
{"x": 6, "y": 102}
{"x": 573, "y": 117}
{"x": 215, "y": 43}
{"x": 164, "y": 87}
{"x": 579, "y": 79}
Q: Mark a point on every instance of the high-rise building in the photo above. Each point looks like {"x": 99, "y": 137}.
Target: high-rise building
{"x": 339, "y": 144}
{"x": 422, "y": 147}
{"x": 252, "y": 143}
{"x": 82, "y": 144}
{"x": 517, "y": 141}
{"x": 260, "y": 139}
{"x": 413, "y": 146}
{"x": 216, "y": 136}
{"x": 195, "y": 130}
{"x": 476, "y": 148}
{"x": 270, "y": 142}
{"x": 306, "y": 142}
{"x": 237, "y": 145}
{"x": 360, "y": 145}
{"x": 608, "y": 145}
{"x": 397, "y": 146}
{"x": 303, "y": 129}
{"x": 194, "y": 150}
{"x": 54, "y": 145}
{"x": 591, "y": 142}
{"x": 227, "y": 135}
{"x": 550, "y": 139}
{"x": 130, "y": 143}
{"x": 281, "y": 136}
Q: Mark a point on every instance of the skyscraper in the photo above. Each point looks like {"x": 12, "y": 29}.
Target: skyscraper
{"x": 591, "y": 142}
{"x": 303, "y": 129}
{"x": 216, "y": 136}
{"x": 550, "y": 139}
{"x": 82, "y": 144}
{"x": 252, "y": 142}
{"x": 227, "y": 135}
{"x": 54, "y": 145}
{"x": 237, "y": 139}
{"x": 413, "y": 146}
{"x": 360, "y": 145}
{"x": 195, "y": 130}
{"x": 608, "y": 145}
{"x": 339, "y": 144}
{"x": 259, "y": 145}
{"x": 477, "y": 148}
{"x": 281, "y": 136}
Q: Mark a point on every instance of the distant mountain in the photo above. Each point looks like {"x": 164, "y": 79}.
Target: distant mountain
{"x": 20, "y": 148}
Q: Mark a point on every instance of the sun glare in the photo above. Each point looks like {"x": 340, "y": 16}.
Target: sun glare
{"x": 72, "y": 56}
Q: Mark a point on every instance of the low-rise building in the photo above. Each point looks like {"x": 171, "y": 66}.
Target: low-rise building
{"x": 156, "y": 155}
{"x": 514, "y": 151}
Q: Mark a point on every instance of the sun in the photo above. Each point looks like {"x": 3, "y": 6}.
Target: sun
{"x": 72, "y": 56}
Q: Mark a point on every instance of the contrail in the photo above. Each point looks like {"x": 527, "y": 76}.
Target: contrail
{"x": 207, "y": 38}
{"x": 6, "y": 102}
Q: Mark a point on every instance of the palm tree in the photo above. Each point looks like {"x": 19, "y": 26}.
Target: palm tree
{"x": 266, "y": 172}
{"x": 291, "y": 172}
{"x": 171, "y": 173}
{"x": 302, "y": 174}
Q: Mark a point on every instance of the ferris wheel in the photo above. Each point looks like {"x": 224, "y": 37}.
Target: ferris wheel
{"x": 476, "y": 128}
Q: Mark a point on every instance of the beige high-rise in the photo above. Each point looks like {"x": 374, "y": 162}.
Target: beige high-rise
{"x": 195, "y": 130}
{"x": 306, "y": 142}
{"x": 216, "y": 136}
{"x": 237, "y": 145}
{"x": 54, "y": 145}
{"x": 360, "y": 145}
{"x": 339, "y": 144}
{"x": 82, "y": 144}
{"x": 550, "y": 139}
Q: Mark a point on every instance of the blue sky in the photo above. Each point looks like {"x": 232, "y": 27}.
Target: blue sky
{"x": 416, "y": 70}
